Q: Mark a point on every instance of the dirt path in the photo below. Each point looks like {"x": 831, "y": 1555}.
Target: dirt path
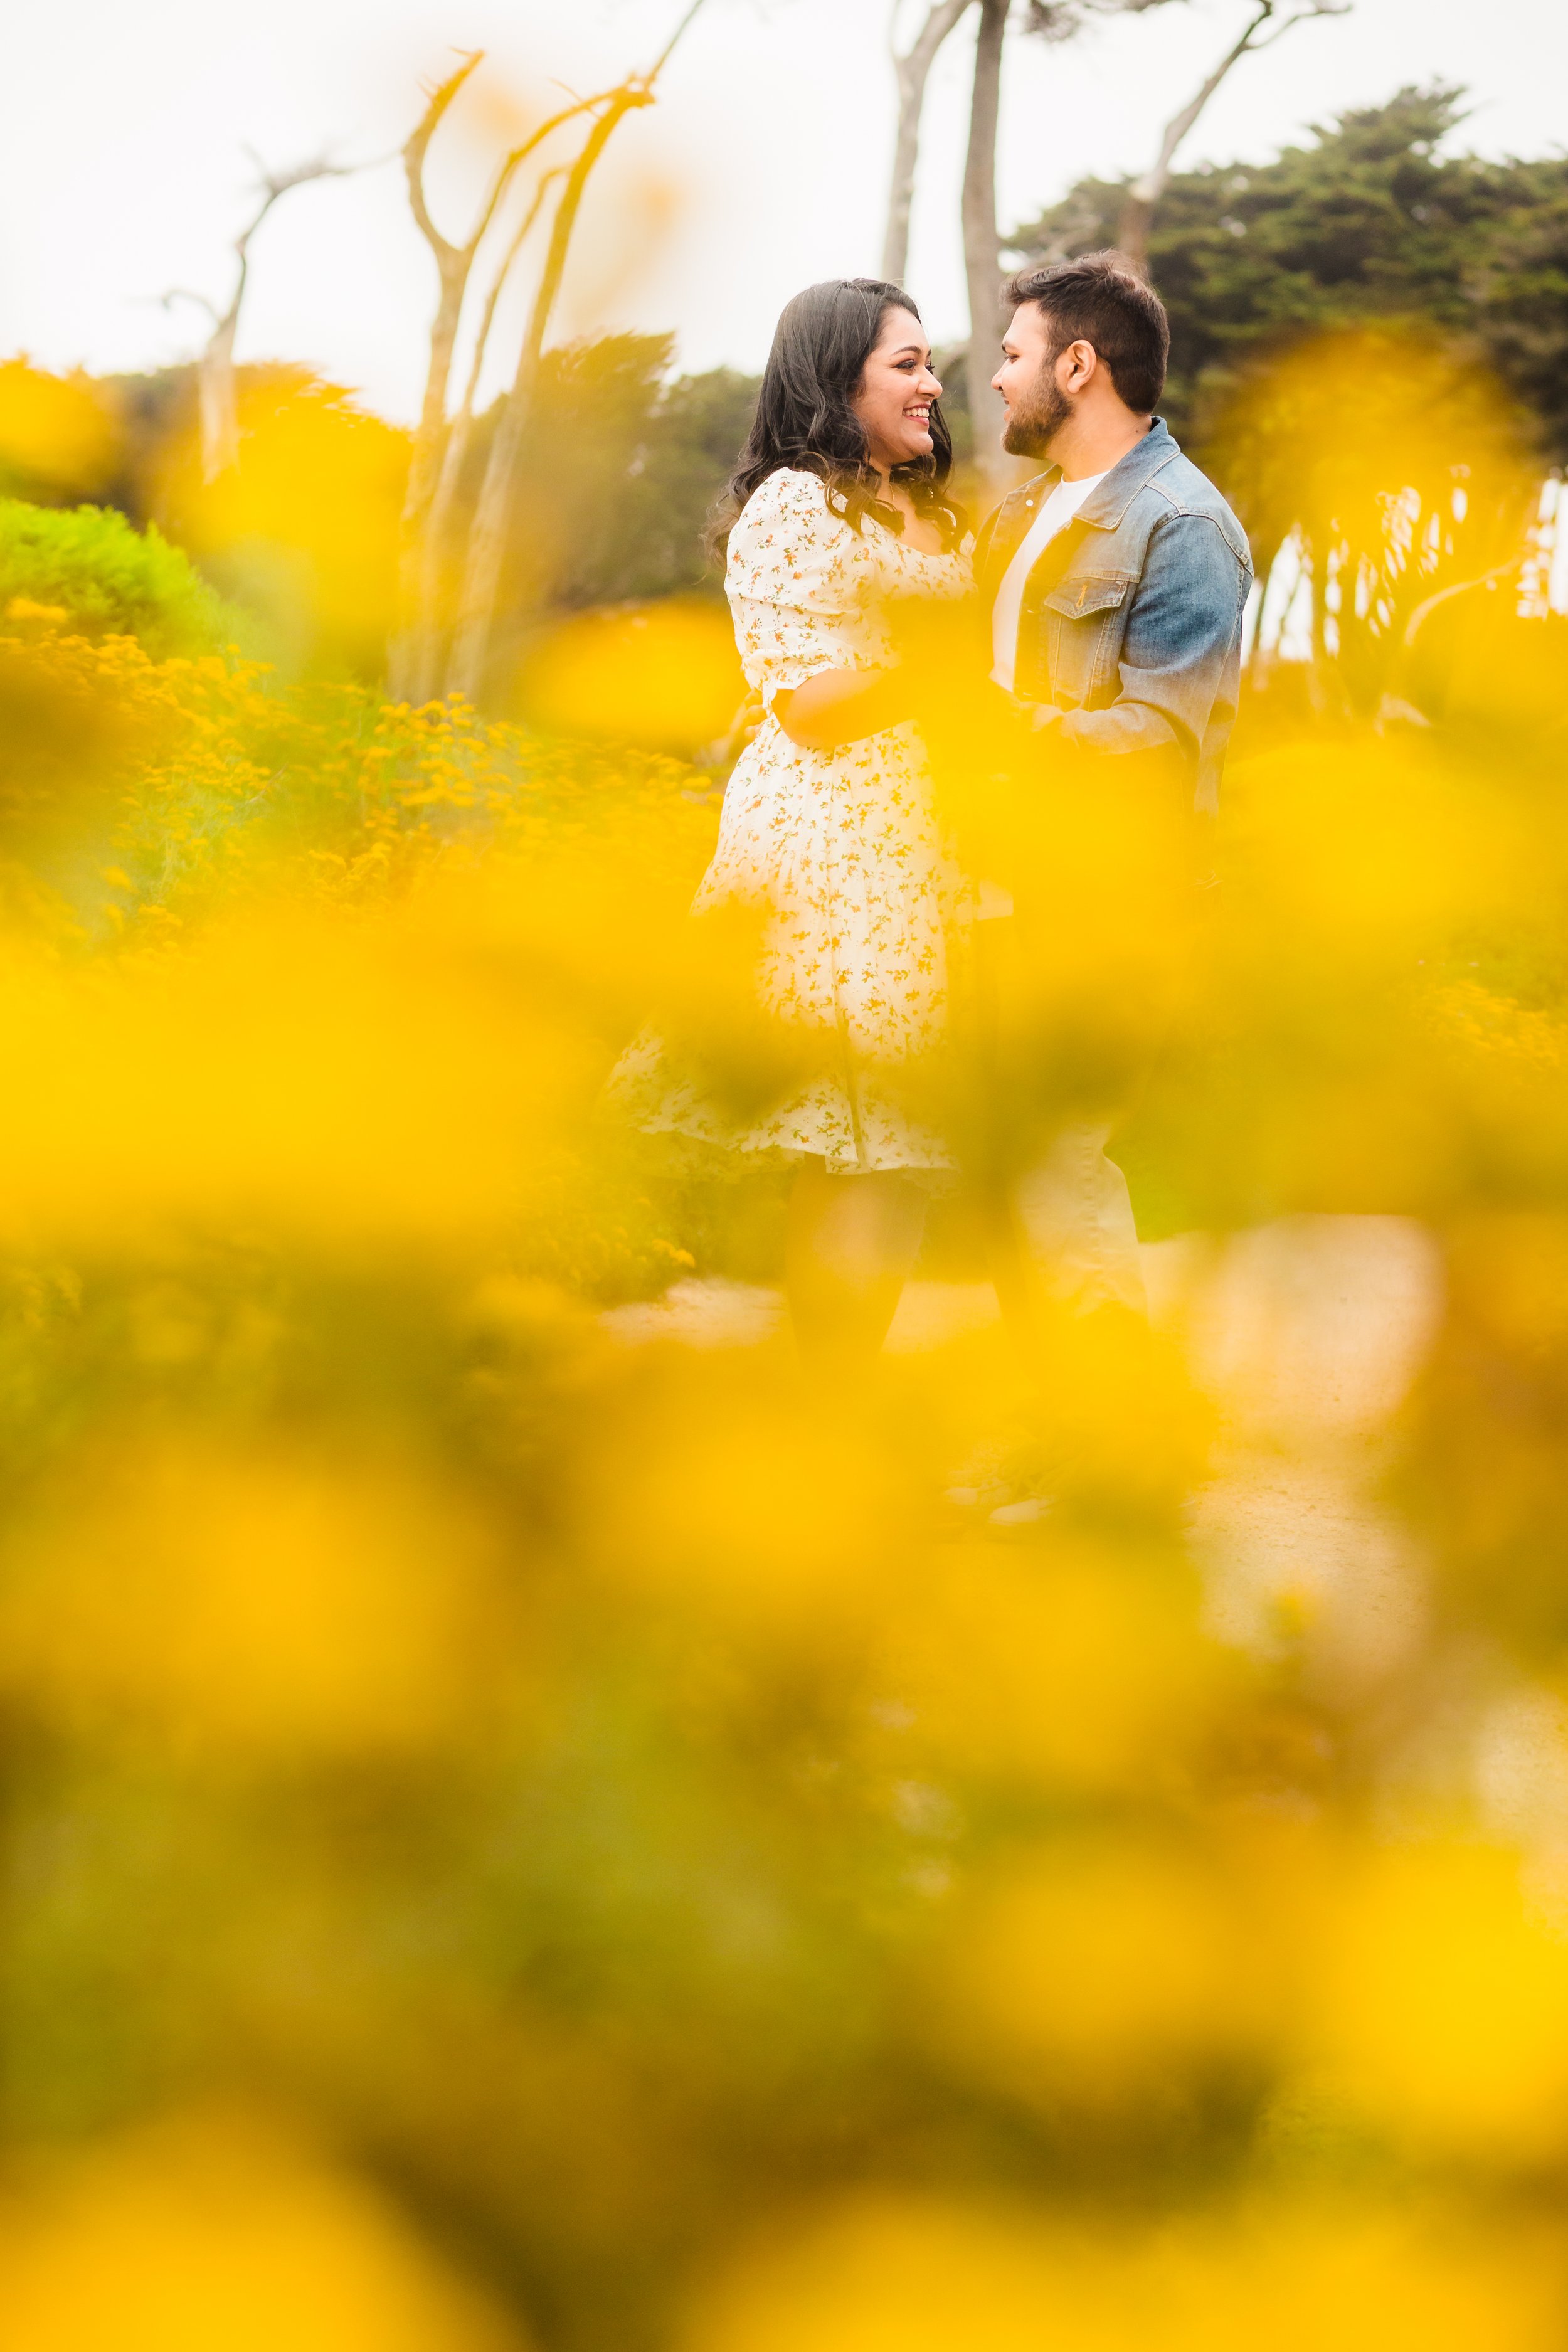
{"x": 1306, "y": 1334}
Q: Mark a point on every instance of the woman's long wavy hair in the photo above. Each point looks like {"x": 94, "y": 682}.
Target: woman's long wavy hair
{"x": 821, "y": 344}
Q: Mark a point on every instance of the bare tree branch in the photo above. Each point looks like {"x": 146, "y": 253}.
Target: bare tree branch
{"x": 492, "y": 515}
{"x": 425, "y": 661}
{"x": 912, "y": 68}
{"x": 1144, "y": 193}
{"x": 216, "y": 385}
{"x": 454, "y": 263}
{"x": 409, "y": 655}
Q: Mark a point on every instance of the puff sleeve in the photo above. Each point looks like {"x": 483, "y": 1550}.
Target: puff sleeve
{"x": 790, "y": 579}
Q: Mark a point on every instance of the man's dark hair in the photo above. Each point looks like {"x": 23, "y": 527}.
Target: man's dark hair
{"x": 1100, "y": 299}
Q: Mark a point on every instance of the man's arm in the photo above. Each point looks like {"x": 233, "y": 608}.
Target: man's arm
{"x": 1180, "y": 657}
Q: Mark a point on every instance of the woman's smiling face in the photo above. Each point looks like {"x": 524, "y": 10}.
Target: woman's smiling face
{"x": 895, "y": 393}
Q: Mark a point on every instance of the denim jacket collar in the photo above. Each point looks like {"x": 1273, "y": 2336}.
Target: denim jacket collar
{"x": 1116, "y": 493}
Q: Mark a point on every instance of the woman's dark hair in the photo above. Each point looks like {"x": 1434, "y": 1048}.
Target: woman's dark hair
{"x": 821, "y": 344}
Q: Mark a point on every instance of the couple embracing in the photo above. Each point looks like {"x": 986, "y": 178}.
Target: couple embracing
{"x": 1110, "y": 588}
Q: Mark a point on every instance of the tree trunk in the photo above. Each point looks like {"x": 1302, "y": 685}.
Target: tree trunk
{"x": 218, "y": 400}
{"x": 1132, "y": 228}
{"x": 498, "y": 496}
{"x": 405, "y": 654}
{"x": 492, "y": 516}
{"x": 914, "y": 71}
{"x": 426, "y": 460}
{"x": 217, "y": 397}
{"x": 424, "y": 656}
{"x": 410, "y": 658}
{"x": 982, "y": 242}
{"x": 1257, "y": 668}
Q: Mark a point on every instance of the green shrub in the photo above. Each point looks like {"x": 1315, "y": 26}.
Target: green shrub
{"x": 108, "y": 579}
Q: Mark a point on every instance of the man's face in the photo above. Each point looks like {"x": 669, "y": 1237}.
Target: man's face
{"x": 1036, "y": 407}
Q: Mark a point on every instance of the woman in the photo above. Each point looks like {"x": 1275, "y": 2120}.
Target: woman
{"x": 838, "y": 509}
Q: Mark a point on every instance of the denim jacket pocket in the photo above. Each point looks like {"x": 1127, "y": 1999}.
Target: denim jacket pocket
{"x": 1083, "y": 632}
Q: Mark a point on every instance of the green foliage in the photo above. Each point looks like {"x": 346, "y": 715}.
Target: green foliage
{"x": 107, "y": 579}
{"x": 1372, "y": 222}
{"x": 621, "y": 466}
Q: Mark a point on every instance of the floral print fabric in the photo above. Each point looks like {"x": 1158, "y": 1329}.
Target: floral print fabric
{"x": 841, "y": 848}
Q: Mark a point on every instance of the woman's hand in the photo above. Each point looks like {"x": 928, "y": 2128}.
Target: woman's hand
{"x": 842, "y": 705}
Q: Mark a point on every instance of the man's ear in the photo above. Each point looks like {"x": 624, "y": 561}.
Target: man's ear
{"x": 1085, "y": 360}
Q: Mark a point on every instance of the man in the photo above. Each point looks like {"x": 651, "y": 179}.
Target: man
{"x": 1117, "y": 578}
{"x": 1116, "y": 581}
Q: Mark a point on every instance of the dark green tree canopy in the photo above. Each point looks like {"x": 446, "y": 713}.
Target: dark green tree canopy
{"x": 1372, "y": 222}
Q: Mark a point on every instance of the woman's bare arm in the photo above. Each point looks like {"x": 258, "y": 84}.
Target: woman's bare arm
{"x": 841, "y": 705}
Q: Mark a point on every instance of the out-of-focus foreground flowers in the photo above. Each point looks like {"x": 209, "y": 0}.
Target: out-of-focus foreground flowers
{"x": 516, "y": 1835}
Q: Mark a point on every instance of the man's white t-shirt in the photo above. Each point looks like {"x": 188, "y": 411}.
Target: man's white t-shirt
{"x": 1056, "y": 514}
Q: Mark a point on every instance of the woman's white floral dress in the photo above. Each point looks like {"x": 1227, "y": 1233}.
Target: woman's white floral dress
{"x": 841, "y": 848}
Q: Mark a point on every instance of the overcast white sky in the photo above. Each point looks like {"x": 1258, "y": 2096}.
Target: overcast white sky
{"x": 123, "y": 171}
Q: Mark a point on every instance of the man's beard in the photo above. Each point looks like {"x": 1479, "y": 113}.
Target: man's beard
{"x": 1031, "y": 427}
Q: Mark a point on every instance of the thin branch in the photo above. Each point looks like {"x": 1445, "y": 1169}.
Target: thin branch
{"x": 1145, "y": 193}
{"x": 486, "y": 538}
{"x": 911, "y": 68}
{"x": 1430, "y": 605}
{"x": 217, "y": 398}
{"x": 410, "y": 657}
{"x": 1151, "y": 185}
{"x": 187, "y": 294}
{"x": 454, "y": 264}
{"x": 418, "y": 145}
{"x": 669, "y": 49}
{"x": 488, "y": 317}
{"x": 420, "y": 653}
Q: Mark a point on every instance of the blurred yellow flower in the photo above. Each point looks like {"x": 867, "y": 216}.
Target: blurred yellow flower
{"x": 264, "y": 1598}
{"x": 208, "y": 2234}
{"x": 1441, "y": 2010}
{"x": 908, "y": 2275}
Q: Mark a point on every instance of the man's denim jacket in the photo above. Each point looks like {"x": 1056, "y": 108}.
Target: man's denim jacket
{"x": 1130, "y": 634}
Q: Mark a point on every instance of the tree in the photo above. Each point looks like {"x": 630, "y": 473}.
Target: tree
{"x": 215, "y": 375}
{"x": 1143, "y": 194}
{"x": 486, "y": 535}
{"x": 615, "y": 478}
{"x": 982, "y": 238}
{"x": 415, "y": 651}
{"x": 1368, "y": 222}
{"x": 1052, "y": 20}
{"x": 913, "y": 69}
{"x": 1391, "y": 476}
{"x": 434, "y": 523}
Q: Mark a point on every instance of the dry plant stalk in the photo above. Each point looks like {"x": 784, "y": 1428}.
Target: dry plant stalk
{"x": 216, "y": 380}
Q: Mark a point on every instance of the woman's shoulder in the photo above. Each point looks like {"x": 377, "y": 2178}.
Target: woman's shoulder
{"x": 786, "y": 518}
{"x": 788, "y": 495}
{"x": 790, "y": 487}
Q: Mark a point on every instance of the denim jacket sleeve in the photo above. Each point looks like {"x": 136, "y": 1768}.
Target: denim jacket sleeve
{"x": 1179, "y": 664}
